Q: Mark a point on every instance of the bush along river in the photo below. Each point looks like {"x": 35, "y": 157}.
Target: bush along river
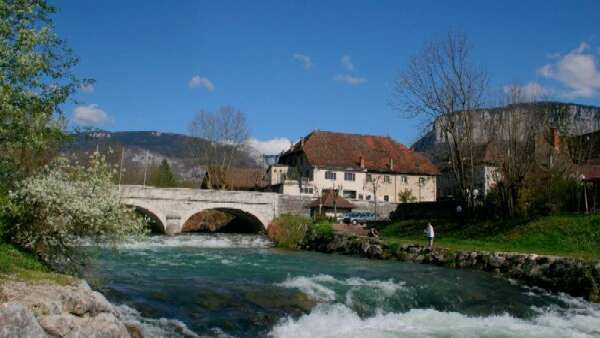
{"x": 228, "y": 285}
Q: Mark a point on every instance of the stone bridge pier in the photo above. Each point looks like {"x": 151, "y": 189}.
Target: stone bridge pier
{"x": 172, "y": 207}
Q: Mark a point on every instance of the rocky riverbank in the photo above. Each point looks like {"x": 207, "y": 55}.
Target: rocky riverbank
{"x": 558, "y": 274}
{"x": 30, "y": 309}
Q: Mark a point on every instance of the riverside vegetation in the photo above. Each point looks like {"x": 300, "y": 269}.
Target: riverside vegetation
{"x": 527, "y": 251}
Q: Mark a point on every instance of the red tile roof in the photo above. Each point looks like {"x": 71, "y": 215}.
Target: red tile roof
{"x": 241, "y": 178}
{"x": 328, "y": 199}
{"x": 345, "y": 151}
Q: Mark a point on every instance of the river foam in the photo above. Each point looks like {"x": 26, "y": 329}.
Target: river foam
{"x": 208, "y": 241}
{"x": 577, "y": 318}
{"x": 323, "y": 287}
{"x": 338, "y": 320}
{"x": 160, "y": 327}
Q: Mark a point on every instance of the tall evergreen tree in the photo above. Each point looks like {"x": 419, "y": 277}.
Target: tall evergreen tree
{"x": 162, "y": 176}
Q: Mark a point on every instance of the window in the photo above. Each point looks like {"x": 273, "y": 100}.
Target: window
{"x": 421, "y": 180}
{"x": 369, "y": 178}
{"x": 368, "y": 197}
{"x": 360, "y": 196}
{"x": 386, "y": 198}
{"x": 349, "y": 176}
{"x": 306, "y": 190}
{"x": 404, "y": 179}
{"x": 349, "y": 194}
{"x": 330, "y": 175}
{"x": 387, "y": 179}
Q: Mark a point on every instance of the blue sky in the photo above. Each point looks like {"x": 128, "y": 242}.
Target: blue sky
{"x": 295, "y": 66}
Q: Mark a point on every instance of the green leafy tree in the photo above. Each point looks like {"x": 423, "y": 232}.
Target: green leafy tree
{"x": 35, "y": 79}
{"x": 162, "y": 176}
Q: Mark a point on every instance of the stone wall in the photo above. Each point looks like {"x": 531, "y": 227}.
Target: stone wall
{"x": 383, "y": 208}
{"x": 293, "y": 205}
{"x": 558, "y": 274}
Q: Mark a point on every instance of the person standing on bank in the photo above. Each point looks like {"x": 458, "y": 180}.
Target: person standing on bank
{"x": 430, "y": 234}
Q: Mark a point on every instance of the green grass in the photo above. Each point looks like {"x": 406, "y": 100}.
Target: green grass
{"x": 564, "y": 235}
{"x": 20, "y": 265}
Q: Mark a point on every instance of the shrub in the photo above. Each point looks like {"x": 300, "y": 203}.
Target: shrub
{"x": 4, "y": 215}
{"x": 53, "y": 209}
{"x": 323, "y": 218}
{"x": 288, "y": 231}
{"x": 319, "y": 232}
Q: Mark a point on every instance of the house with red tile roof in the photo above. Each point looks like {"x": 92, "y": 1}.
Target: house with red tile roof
{"x": 359, "y": 167}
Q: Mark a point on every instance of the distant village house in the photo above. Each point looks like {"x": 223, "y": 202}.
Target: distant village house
{"x": 357, "y": 167}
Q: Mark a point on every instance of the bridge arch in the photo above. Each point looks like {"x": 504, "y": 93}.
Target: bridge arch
{"x": 241, "y": 221}
{"x": 156, "y": 222}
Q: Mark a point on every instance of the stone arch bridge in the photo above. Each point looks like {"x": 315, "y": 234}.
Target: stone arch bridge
{"x": 172, "y": 207}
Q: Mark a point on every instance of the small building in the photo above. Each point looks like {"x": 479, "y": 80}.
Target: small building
{"x": 589, "y": 175}
{"x": 330, "y": 204}
{"x": 236, "y": 179}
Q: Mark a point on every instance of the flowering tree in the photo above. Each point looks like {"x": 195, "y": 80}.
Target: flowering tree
{"x": 65, "y": 202}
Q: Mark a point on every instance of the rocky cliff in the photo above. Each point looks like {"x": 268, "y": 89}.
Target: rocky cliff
{"x": 576, "y": 119}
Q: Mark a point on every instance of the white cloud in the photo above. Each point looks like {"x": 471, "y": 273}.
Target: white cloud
{"x": 532, "y": 90}
{"x": 269, "y": 147}
{"x": 303, "y": 59}
{"x": 88, "y": 88}
{"x": 89, "y": 115}
{"x": 577, "y": 71}
{"x": 200, "y": 81}
{"x": 351, "y": 79}
{"x": 346, "y": 63}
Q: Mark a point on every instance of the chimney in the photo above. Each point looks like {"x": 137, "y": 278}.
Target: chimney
{"x": 391, "y": 163}
{"x": 555, "y": 139}
{"x": 362, "y": 162}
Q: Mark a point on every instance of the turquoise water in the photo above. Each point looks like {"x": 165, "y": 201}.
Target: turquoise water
{"x": 239, "y": 286}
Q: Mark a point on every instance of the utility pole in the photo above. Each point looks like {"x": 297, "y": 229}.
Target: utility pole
{"x": 121, "y": 167}
{"x": 145, "y": 167}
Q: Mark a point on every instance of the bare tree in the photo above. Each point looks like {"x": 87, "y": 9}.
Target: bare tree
{"x": 372, "y": 184}
{"x": 226, "y": 132}
{"x": 516, "y": 128}
{"x": 444, "y": 86}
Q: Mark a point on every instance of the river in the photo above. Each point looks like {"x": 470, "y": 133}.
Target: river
{"x": 228, "y": 285}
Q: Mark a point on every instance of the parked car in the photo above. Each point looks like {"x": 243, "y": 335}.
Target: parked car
{"x": 359, "y": 217}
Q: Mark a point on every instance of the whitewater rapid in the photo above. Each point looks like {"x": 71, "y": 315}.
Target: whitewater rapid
{"x": 332, "y": 318}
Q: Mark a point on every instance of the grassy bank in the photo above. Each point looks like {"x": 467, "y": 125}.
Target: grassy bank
{"x": 564, "y": 235}
{"x": 17, "y": 264}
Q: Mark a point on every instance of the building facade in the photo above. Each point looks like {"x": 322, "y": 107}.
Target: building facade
{"x": 357, "y": 167}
